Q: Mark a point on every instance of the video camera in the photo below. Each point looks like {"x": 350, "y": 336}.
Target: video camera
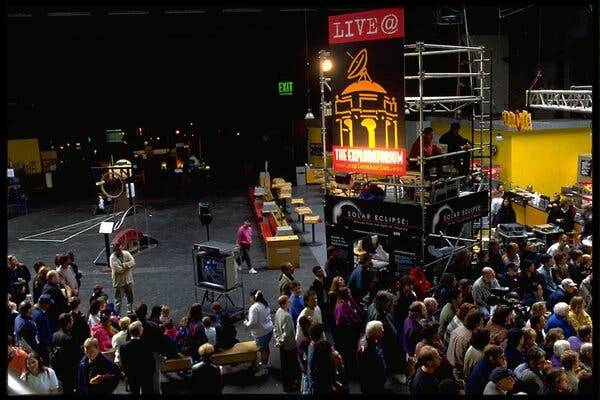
{"x": 504, "y": 296}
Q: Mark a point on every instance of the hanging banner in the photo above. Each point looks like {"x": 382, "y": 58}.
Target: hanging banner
{"x": 456, "y": 211}
{"x": 352, "y": 224}
{"x": 367, "y": 85}
{"x": 370, "y": 25}
{"x": 372, "y": 215}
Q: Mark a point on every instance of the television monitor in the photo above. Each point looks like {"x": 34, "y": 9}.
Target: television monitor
{"x": 214, "y": 271}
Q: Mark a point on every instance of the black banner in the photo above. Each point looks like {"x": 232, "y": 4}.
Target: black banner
{"x": 372, "y": 215}
{"x": 455, "y": 212}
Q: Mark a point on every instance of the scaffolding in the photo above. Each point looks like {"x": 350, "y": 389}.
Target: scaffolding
{"x": 478, "y": 102}
{"x": 415, "y": 214}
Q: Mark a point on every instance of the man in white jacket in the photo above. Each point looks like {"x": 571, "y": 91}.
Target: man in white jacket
{"x": 121, "y": 264}
{"x": 285, "y": 341}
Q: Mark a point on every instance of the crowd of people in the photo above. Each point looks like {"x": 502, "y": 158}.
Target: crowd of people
{"x": 54, "y": 347}
{"x": 513, "y": 322}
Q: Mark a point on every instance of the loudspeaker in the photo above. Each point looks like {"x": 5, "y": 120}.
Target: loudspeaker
{"x": 206, "y": 215}
{"x": 343, "y": 178}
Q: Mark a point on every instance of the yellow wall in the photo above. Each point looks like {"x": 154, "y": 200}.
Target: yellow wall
{"x": 546, "y": 159}
{"x": 26, "y": 151}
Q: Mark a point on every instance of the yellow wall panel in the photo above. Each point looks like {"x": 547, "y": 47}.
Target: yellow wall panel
{"x": 27, "y": 152}
{"x": 547, "y": 159}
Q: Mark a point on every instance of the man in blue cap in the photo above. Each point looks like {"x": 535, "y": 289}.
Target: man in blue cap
{"x": 502, "y": 380}
{"x": 40, "y": 317}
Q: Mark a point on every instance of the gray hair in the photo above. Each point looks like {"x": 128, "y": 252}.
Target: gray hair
{"x": 372, "y": 327}
{"x": 136, "y": 329}
{"x": 430, "y": 303}
{"x": 561, "y": 309}
{"x": 585, "y": 347}
{"x": 560, "y": 346}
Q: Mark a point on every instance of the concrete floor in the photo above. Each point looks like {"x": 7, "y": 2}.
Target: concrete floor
{"x": 164, "y": 273}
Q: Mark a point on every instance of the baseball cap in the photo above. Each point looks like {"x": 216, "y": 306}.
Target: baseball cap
{"x": 45, "y": 299}
{"x": 512, "y": 265}
{"x": 568, "y": 281}
{"x": 455, "y": 125}
{"x": 500, "y": 373}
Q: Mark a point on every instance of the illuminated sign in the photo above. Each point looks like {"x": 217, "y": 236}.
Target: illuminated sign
{"x": 517, "y": 119}
{"x": 368, "y": 160}
{"x": 369, "y": 25}
{"x": 367, "y": 87}
{"x": 114, "y": 135}
{"x": 286, "y": 88}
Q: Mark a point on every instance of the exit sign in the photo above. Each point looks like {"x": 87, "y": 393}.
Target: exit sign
{"x": 286, "y": 88}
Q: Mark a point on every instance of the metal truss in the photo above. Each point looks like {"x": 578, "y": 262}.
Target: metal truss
{"x": 575, "y": 100}
{"x": 439, "y": 104}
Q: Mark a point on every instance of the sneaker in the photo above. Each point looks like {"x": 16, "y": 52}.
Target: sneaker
{"x": 253, "y": 271}
{"x": 262, "y": 371}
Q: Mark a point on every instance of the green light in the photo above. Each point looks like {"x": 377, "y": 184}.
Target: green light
{"x": 89, "y": 139}
{"x": 286, "y": 88}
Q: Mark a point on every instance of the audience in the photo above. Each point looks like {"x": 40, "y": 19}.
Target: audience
{"x": 544, "y": 326}
{"x": 39, "y": 378}
{"x": 206, "y": 376}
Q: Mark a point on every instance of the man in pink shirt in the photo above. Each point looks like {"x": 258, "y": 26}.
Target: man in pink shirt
{"x": 244, "y": 239}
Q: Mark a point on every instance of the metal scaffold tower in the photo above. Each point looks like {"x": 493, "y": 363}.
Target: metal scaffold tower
{"x": 478, "y": 105}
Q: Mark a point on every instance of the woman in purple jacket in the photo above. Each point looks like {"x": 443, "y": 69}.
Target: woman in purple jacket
{"x": 348, "y": 328}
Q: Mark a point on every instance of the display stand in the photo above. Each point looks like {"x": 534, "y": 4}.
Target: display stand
{"x": 212, "y": 294}
{"x": 217, "y": 272}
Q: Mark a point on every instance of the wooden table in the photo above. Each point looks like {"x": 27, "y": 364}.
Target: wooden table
{"x": 312, "y": 220}
{"x": 297, "y": 202}
{"x": 301, "y": 212}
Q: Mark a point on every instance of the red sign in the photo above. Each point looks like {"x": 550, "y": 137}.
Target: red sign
{"x": 379, "y": 161}
{"x": 387, "y": 23}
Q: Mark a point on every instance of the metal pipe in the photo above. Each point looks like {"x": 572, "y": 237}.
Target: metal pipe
{"x": 436, "y": 75}
{"x": 322, "y": 83}
{"x": 440, "y": 46}
{"x": 436, "y": 52}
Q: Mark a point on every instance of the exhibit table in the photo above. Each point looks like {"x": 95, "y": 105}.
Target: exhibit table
{"x": 301, "y": 212}
{"x": 312, "y": 220}
{"x": 281, "y": 249}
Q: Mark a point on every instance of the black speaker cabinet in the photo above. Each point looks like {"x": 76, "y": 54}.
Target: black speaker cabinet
{"x": 206, "y": 215}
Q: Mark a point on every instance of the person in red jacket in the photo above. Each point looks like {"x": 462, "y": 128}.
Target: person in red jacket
{"x": 421, "y": 283}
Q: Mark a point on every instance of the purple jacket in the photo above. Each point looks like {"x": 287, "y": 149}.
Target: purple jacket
{"x": 347, "y": 314}
{"x": 412, "y": 333}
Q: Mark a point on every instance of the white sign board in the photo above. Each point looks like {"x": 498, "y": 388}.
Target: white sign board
{"x": 106, "y": 227}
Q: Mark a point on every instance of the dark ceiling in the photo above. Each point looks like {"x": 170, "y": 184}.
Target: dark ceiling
{"x": 70, "y": 73}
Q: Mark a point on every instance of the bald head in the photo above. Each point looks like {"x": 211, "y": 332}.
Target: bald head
{"x": 488, "y": 274}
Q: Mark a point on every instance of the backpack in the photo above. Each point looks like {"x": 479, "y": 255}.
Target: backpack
{"x": 57, "y": 362}
{"x": 192, "y": 339}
